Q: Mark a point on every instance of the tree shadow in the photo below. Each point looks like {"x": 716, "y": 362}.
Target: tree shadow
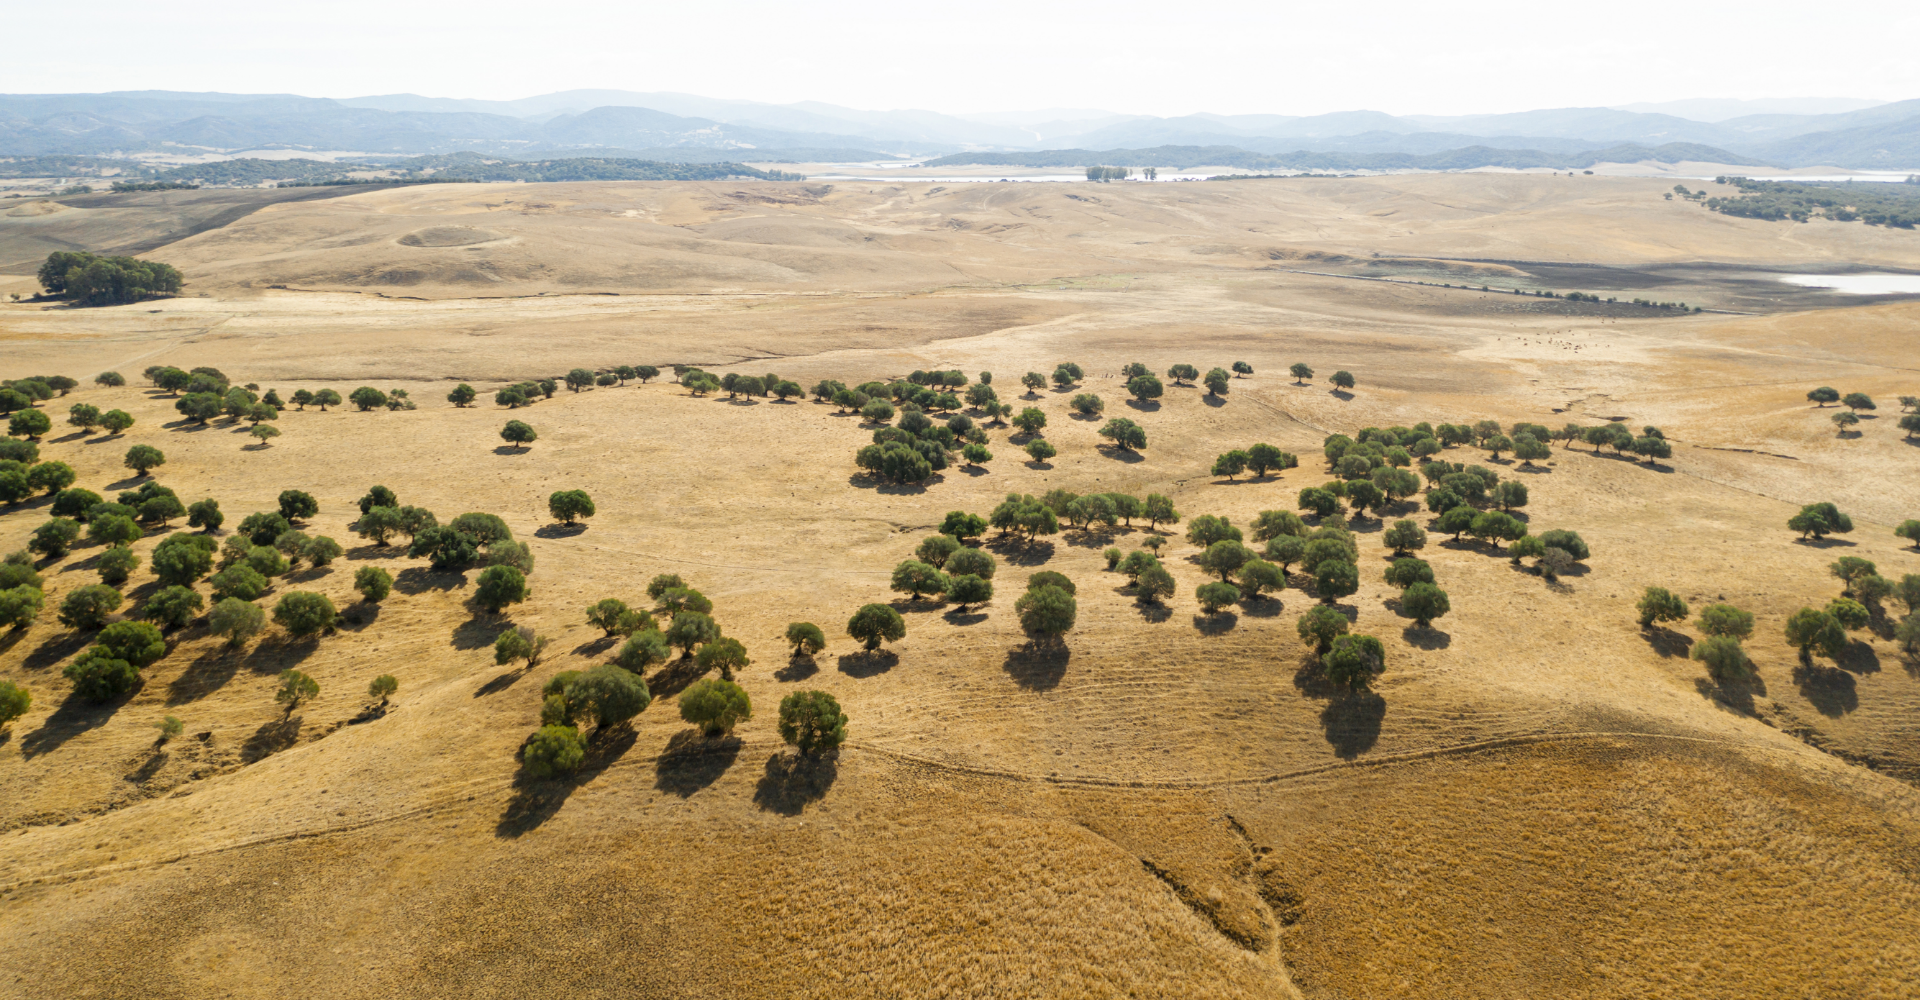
{"x": 596, "y": 645}
{"x": 358, "y": 616}
{"x": 1154, "y": 612}
{"x": 798, "y": 668}
{"x": 274, "y": 655}
{"x": 1734, "y": 693}
{"x": 1823, "y": 543}
{"x": 508, "y": 449}
{"x": 559, "y": 530}
{"x": 1016, "y": 551}
{"x": 1340, "y": 394}
{"x": 55, "y": 649}
{"x": 1118, "y": 454}
{"x": 206, "y": 674}
{"x": 793, "y": 780}
{"x": 75, "y": 716}
{"x": 1214, "y": 401}
{"x": 1532, "y": 469}
{"x": 536, "y": 800}
{"x": 478, "y": 633}
{"x": 1425, "y": 638}
{"x": 420, "y": 579}
{"x": 1858, "y": 658}
{"x": 1038, "y": 465}
{"x": 502, "y": 682}
{"x": 862, "y": 481}
{"x": 962, "y": 619}
{"x": 1219, "y": 623}
{"x": 692, "y": 762}
{"x": 1667, "y": 642}
{"x": 1038, "y": 665}
{"x": 1831, "y": 691}
{"x": 674, "y": 677}
{"x": 1351, "y": 722}
{"x": 868, "y": 663}
{"x": 1263, "y": 606}
{"x": 371, "y": 551}
{"x": 271, "y": 738}
{"x": 1144, "y": 405}
{"x": 149, "y": 767}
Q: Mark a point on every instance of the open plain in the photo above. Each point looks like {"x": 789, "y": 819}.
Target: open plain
{"x": 1537, "y": 797}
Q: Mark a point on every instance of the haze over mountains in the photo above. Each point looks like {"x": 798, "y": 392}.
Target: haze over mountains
{"x": 1788, "y": 133}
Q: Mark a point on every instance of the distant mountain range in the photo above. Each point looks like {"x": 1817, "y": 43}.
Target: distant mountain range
{"x": 672, "y": 126}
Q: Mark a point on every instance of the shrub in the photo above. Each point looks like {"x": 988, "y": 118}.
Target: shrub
{"x": 553, "y": 751}
{"x": 1819, "y": 520}
{"x": 806, "y": 637}
{"x": 812, "y": 721}
{"x": 74, "y": 503}
{"x": 716, "y": 706}
{"x": 1724, "y": 658}
{"x": 1658, "y": 604}
{"x": 965, "y": 589}
{"x": 303, "y": 613}
{"x": 50, "y": 477}
{"x": 1258, "y": 576}
{"x": 1405, "y": 536}
{"x": 1125, "y": 434}
{"x": 180, "y": 559}
{"x": 1225, "y": 557}
{"x": 1849, "y": 613}
{"x": 238, "y": 581}
{"x": 1909, "y": 530}
{"x": 172, "y": 607}
{"x": 88, "y": 606}
{"x": 20, "y": 605}
{"x": 1271, "y": 524}
{"x": 295, "y": 505}
{"x": 29, "y": 424}
{"x": 138, "y": 643}
{"x": 14, "y": 701}
{"x": 935, "y": 549}
{"x": 499, "y": 586}
{"x": 113, "y": 529}
{"x": 1031, "y": 420}
{"x": 691, "y": 628}
{"x": 267, "y": 561}
{"x": 723, "y": 654}
{"x": 1088, "y": 404}
{"x": 570, "y": 505}
{"x": 1352, "y": 660}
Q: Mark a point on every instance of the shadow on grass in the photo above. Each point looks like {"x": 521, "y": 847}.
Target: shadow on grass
{"x": 1038, "y": 665}
{"x": 798, "y": 668}
{"x": 206, "y": 674}
{"x": 1127, "y": 455}
{"x": 502, "y": 682}
{"x": 868, "y": 663}
{"x": 75, "y": 716}
{"x": 1351, "y": 719}
{"x": 1667, "y": 642}
{"x": 1219, "y": 623}
{"x": 1016, "y": 551}
{"x": 1733, "y": 692}
{"x": 270, "y": 738}
{"x": 420, "y": 579}
{"x": 674, "y": 677}
{"x": 536, "y": 800}
{"x": 1154, "y": 612}
{"x": 55, "y": 649}
{"x": 478, "y": 632}
{"x": 962, "y": 619}
{"x": 793, "y": 780}
{"x": 559, "y": 530}
{"x": 358, "y": 616}
{"x": 692, "y": 761}
{"x": 1830, "y": 690}
{"x": 1823, "y": 543}
{"x": 509, "y": 449}
{"x": 1858, "y": 658}
{"x": 1425, "y": 637}
{"x": 1262, "y": 606}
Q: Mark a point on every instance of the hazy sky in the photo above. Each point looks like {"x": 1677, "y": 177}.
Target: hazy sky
{"x": 1164, "y": 58}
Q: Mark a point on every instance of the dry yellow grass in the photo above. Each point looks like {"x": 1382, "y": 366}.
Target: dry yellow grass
{"x": 1537, "y": 799}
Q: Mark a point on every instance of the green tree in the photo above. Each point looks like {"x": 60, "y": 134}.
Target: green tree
{"x": 611, "y": 695}
{"x": 143, "y": 458}
{"x": 1258, "y": 576}
{"x": 1265, "y": 458}
{"x": 1343, "y": 379}
{"x": 1818, "y": 632}
{"x": 1301, "y": 373}
{"x": 50, "y": 477}
{"x": 1145, "y": 387}
{"x": 1404, "y": 573}
{"x": 181, "y": 559}
{"x": 935, "y": 549}
{"x": 462, "y": 395}
{"x": 1405, "y": 536}
{"x": 1850, "y": 569}
{"x": 1208, "y": 529}
{"x": 716, "y": 706}
{"x": 553, "y": 751}
{"x": 1819, "y": 520}
{"x": 1658, "y": 604}
{"x": 53, "y": 539}
{"x": 1183, "y": 374}
{"x": 689, "y": 629}
{"x": 240, "y": 580}
{"x": 236, "y": 619}
{"x": 1725, "y": 620}
{"x": 295, "y": 687}
{"x": 1424, "y": 602}
{"x": 1088, "y": 404}
{"x": 807, "y": 639}
{"x": 172, "y": 607}
{"x": 74, "y": 503}
{"x": 499, "y": 586}
{"x": 1909, "y": 530}
{"x": 724, "y": 654}
{"x": 29, "y": 424}
{"x": 1125, "y": 434}
{"x": 1823, "y": 395}
{"x": 138, "y": 643}
{"x": 1225, "y": 557}
{"x": 1334, "y": 579}
{"x": 87, "y": 607}
{"x": 570, "y": 505}
{"x": 1851, "y": 614}
{"x": 876, "y": 623}
{"x": 1320, "y": 625}
{"x": 115, "y": 565}
{"x": 644, "y": 648}
{"x": 963, "y": 525}
{"x": 1724, "y": 659}
{"x": 112, "y": 529}
{"x": 98, "y": 677}
{"x": 1217, "y": 381}
{"x": 1030, "y": 420}
{"x": 1046, "y": 611}
{"x": 518, "y": 434}
{"x": 1214, "y": 596}
{"x": 1230, "y": 464}
{"x": 304, "y": 613}
{"x": 367, "y": 398}
{"x": 1352, "y": 660}
{"x": 914, "y": 577}
{"x": 1857, "y": 401}
{"x": 20, "y": 605}
{"x": 812, "y": 721}
{"x": 383, "y": 687}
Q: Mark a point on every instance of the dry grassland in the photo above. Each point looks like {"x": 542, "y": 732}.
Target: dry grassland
{"x": 1537, "y": 799}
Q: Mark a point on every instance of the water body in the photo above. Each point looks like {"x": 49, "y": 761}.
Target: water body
{"x": 1859, "y": 284}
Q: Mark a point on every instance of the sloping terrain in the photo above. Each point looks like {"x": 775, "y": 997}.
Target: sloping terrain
{"x": 1537, "y": 797}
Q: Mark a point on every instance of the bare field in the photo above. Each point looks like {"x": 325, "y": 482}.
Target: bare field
{"x": 1537, "y": 797}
